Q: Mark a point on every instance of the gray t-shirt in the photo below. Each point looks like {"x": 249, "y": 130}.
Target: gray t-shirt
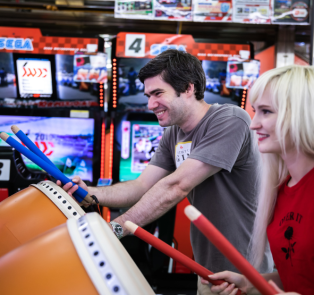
{"x": 228, "y": 198}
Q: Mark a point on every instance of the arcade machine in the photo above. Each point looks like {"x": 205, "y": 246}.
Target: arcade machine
{"x": 135, "y": 133}
{"x": 53, "y": 88}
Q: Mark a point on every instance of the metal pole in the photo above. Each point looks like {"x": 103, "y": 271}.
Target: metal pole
{"x": 312, "y": 34}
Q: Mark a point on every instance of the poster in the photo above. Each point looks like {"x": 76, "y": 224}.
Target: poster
{"x": 212, "y": 10}
{"x": 252, "y": 11}
{"x": 291, "y": 12}
{"x": 242, "y": 74}
{"x": 178, "y": 10}
{"x": 140, "y": 140}
{"x": 142, "y": 9}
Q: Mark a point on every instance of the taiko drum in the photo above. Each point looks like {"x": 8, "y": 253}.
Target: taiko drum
{"x": 32, "y": 211}
{"x": 80, "y": 257}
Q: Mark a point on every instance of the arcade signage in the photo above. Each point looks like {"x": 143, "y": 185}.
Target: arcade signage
{"x": 140, "y": 45}
{"x": 156, "y": 49}
{"x": 16, "y": 44}
{"x": 16, "y": 103}
{"x": 25, "y": 40}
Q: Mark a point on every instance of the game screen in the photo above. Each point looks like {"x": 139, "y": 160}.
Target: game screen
{"x": 67, "y": 142}
{"x": 139, "y": 142}
{"x": 217, "y": 90}
{"x": 78, "y": 76}
{"x": 34, "y": 77}
{"x": 131, "y": 90}
{"x": 7, "y": 76}
{"x": 242, "y": 74}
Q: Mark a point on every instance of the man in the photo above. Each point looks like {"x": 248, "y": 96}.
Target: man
{"x": 208, "y": 155}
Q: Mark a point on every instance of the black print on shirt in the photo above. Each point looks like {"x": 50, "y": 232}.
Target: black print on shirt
{"x": 288, "y": 235}
{"x": 291, "y": 216}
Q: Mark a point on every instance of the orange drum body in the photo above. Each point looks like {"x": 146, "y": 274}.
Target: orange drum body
{"x": 80, "y": 257}
{"x": 33, "y": 211}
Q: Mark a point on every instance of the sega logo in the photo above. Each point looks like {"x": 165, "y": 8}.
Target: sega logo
{"x": 156, "y": 49}
{"x": 16, "y": 44}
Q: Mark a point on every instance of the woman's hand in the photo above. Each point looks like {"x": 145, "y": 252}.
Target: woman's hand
{"x": 234, "y": 281}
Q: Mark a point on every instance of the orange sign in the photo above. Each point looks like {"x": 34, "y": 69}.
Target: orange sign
{"x": 28, "y": 40}
{"x": 142, "y": 45}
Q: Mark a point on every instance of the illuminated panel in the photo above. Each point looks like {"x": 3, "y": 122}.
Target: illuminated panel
{"x": 102, "y": 156}
{"x": 101, "y": 94}
{"x": 108, "y": 216}
{"x": 114, "y": 83}
{"x": 111, "y": 150}
{"x": 243, "y": 98}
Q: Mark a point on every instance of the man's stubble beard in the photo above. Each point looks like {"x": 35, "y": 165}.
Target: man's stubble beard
{"x": 176, "y": 116}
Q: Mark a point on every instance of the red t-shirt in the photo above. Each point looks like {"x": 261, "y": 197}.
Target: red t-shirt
{"x": 291, "y": 235}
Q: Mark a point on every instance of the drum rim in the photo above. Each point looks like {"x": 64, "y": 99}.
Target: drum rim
{"x": 113, "y": 253}
{"x": 66, "y": 204}
{"x": 77, "y": 230}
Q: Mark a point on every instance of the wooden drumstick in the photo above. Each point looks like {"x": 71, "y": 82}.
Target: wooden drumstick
{"x": 226, "y": 248}
{"x": 79, "y": 195}
{"x": 171, "y": 252}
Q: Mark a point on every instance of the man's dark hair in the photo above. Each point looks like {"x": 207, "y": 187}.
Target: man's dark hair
{"x": 177, "y": 68}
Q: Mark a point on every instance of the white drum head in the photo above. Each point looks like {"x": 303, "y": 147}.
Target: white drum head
{"x": 107, "y": 263}
{"x": 60, "y": 198}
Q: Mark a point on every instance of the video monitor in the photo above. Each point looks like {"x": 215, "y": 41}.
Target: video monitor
{"x": 78, "y": 76}
{"x": 7, "y": 76}
{"x": 217, "y": 90}
{"x": 67, "y": 142}
{"x": 139, "y": 142}
{"x": 242, "y": 74}
{"x": 131, "y": 89}
{"x": 35, "y": 76}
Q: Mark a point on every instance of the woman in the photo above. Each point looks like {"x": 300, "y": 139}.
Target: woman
{"x": 283, "y": 101}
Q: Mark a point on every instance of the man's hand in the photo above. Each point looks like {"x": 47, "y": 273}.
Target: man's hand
{"x": 70, "y": 188}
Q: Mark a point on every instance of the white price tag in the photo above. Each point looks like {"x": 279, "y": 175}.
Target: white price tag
{"x": 299, "y": 12}
{"x": 135, "y": 45}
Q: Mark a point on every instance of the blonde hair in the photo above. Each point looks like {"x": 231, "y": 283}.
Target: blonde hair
{"x": 292, "y": 97}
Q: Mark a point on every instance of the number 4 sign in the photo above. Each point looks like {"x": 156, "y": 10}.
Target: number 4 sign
{"x": 135, "y": 45}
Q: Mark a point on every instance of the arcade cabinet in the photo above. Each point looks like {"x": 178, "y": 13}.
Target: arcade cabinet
{"x": 57, "y": 98}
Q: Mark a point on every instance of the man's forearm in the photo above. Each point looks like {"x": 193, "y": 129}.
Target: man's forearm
{"x": 123, "y": 194}
{"x": 156, "y": 202}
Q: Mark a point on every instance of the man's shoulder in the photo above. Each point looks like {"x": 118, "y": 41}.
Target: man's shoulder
{"x": 229, "y": 110}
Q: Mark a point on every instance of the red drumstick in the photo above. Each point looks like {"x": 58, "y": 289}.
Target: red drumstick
{"x": 171, "y": 252}
{"x": 226, "y": 248}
